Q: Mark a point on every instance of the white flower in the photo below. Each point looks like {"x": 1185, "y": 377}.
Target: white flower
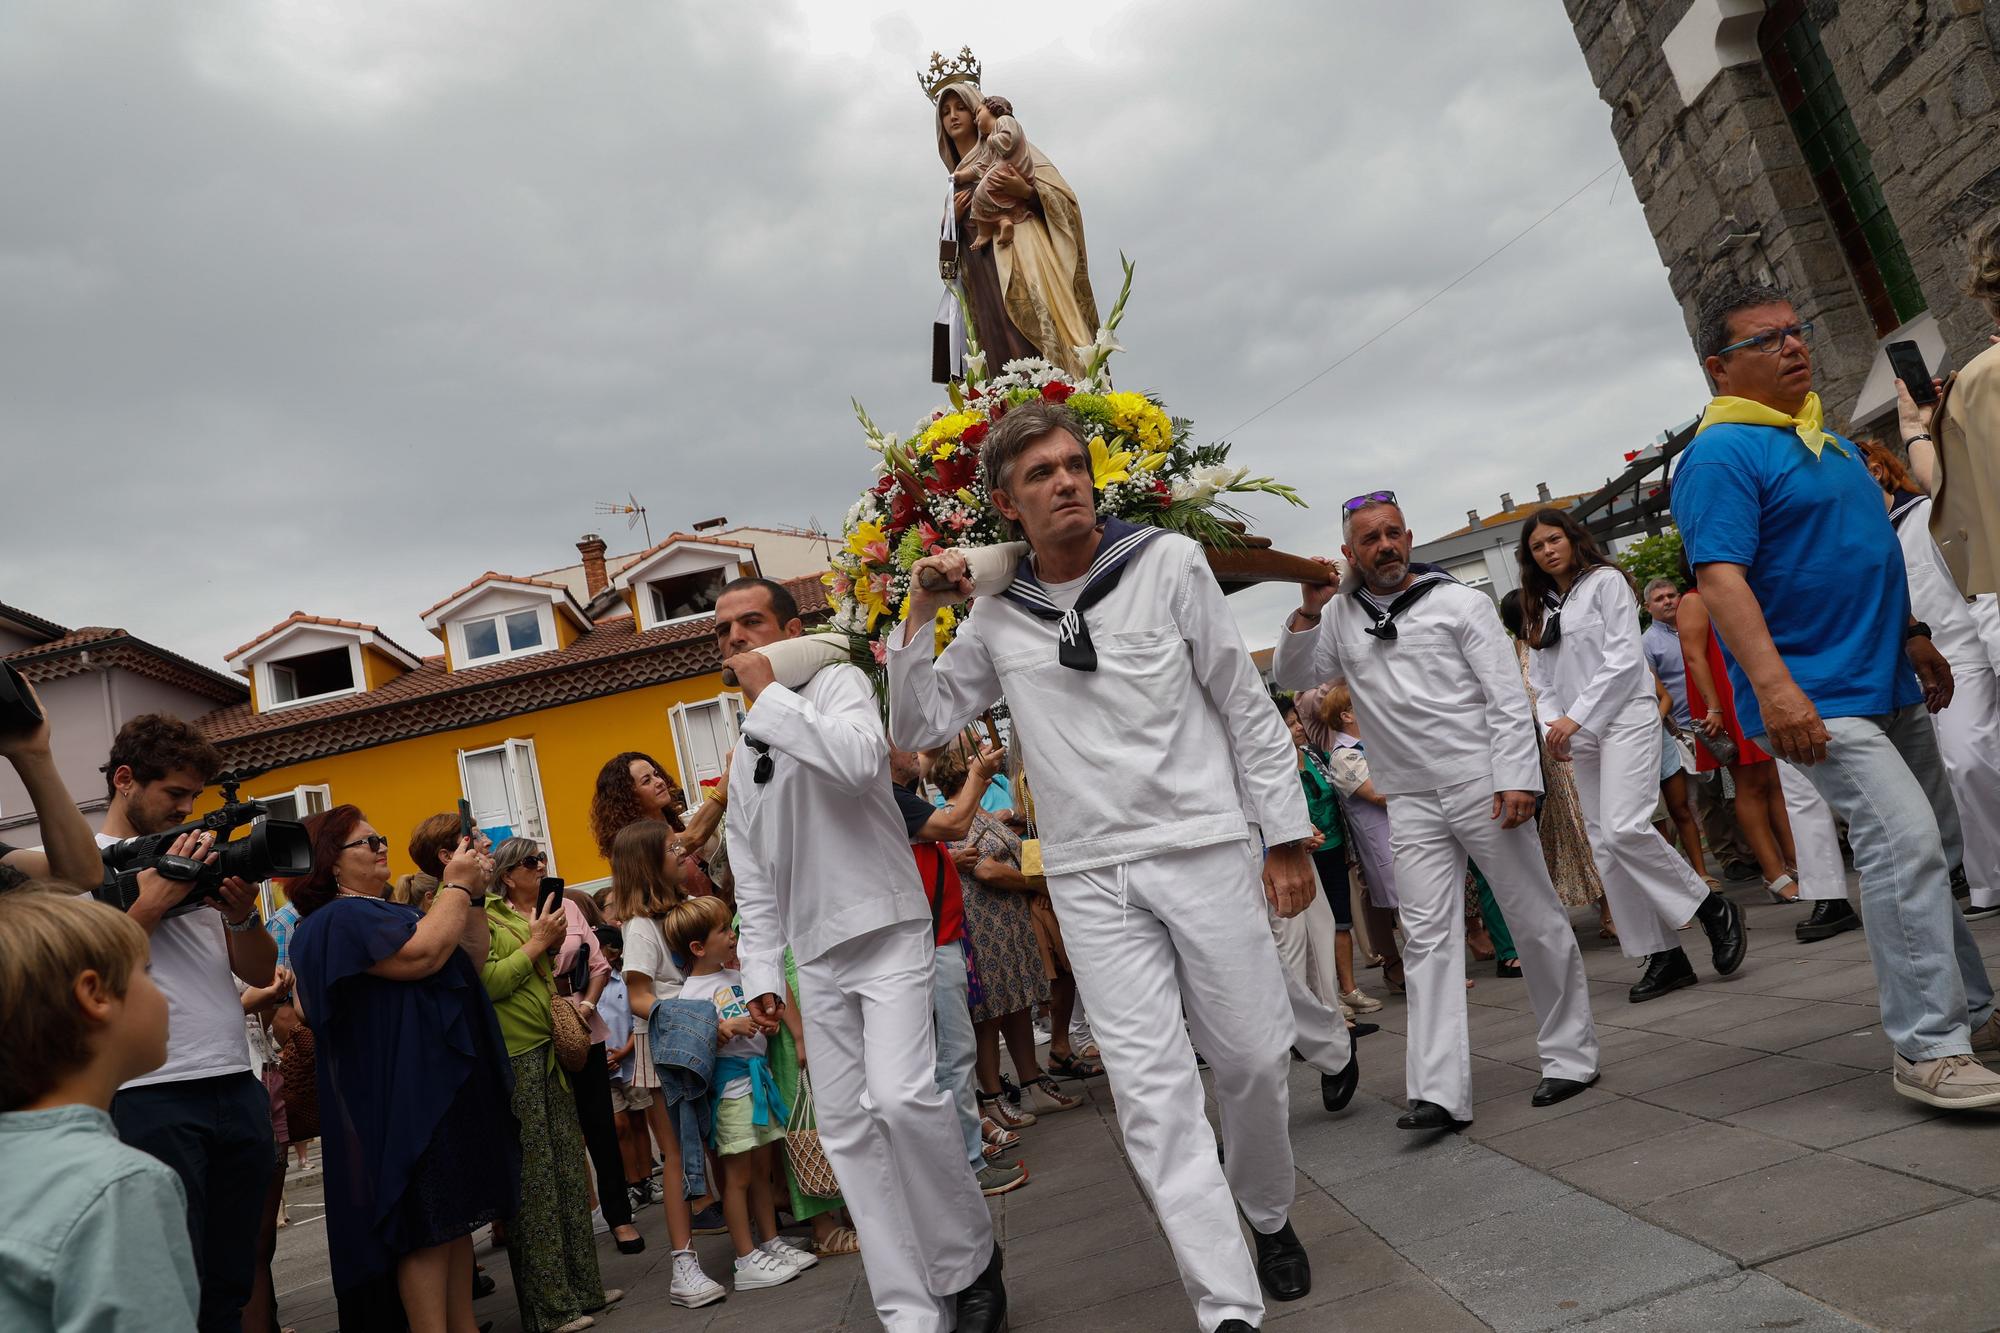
{"x": 975, "y": 365}
{"x": 1102, "y": 346}
{"x": 1028, "y": 366}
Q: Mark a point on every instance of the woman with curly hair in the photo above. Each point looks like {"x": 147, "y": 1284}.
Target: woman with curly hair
{"x": 632, "y": 786}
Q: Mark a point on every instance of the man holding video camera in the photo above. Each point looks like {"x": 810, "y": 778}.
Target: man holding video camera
{"x": 202, "y": 1112}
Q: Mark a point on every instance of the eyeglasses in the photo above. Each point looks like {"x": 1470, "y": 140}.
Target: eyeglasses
{"x": 762, "y": 773}
{"x": 1372, "y": 498}
{"x": 534, "y": 860}
{"x": 374, "y": 842}
{"x": 1771, "y": 341}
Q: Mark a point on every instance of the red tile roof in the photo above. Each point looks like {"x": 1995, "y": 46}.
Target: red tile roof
{"x": 301, "y": 618}
{"x": 611, "y": 658}
{"x": 115, "y": 648}
{"x": 34, "y": 624}
{"x": 673, "y": 537}
{"x": 494, "y": 576}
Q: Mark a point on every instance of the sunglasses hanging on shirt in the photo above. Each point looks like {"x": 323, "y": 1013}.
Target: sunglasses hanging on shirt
{"x": 761, "y": 774}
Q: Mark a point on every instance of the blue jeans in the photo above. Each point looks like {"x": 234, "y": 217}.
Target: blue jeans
{"x": 1883, "y": 776}
{"x": 957, "y": 1048}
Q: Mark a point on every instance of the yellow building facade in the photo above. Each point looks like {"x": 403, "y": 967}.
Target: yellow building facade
{"x": 534, "y": 688}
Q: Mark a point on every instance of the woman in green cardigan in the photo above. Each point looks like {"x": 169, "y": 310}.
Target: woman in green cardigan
{"x": 549, "y": 1243}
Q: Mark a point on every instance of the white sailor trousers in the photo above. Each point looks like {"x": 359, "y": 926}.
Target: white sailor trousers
{"x": 1815, "y": 836}
{"x": 891, "y": 1136}
{"x": 1652, "y": 891}
{"x": 1433, "y": 833}
{"x": 1306, "y": 944}
{"x": 1188, "y": 932}
{"x": 1968, "y": 735}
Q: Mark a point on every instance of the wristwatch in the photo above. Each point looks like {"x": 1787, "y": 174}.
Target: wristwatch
{"x": 1917, "y": 627}
{"x": 248, "y": 923}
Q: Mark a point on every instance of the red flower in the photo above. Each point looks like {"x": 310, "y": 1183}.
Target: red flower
{"x": 951, "y": 473}
{"x": 903, "y": 510}
{"x": 1057, "y": 392}
{"x": 884, "y": 486}
{"x": 972, "y": 393}
{"x": 998, "y": 410}
{"x": 973, "y": 434}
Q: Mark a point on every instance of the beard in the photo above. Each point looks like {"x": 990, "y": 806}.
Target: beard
{"x": 1387, "y": 575}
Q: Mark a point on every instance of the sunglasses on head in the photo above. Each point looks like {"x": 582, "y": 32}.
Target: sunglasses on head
{"x": 1372, "y": 498}
{"x": 374, "y": 842}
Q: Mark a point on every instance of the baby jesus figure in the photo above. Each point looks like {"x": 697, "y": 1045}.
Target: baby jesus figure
{"x": 1001, "y": 144}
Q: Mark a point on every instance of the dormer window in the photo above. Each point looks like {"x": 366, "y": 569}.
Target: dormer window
{"x": 503, "y": 636}
{"x": 315, "y": 675}
{"x": 682, "y": 578}
{"x": 684, "y": 596}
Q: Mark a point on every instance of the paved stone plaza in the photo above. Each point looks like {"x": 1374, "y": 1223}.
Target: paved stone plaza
{"x": 1743, "y": 1164}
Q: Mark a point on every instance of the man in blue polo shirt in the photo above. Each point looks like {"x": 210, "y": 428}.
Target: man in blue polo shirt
{"x": 1804, "y": 579}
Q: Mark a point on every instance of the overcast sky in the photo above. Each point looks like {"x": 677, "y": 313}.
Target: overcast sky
{"x": 333, "y": 307}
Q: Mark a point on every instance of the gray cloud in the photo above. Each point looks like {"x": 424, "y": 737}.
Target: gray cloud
{"x": 333, "y": 309}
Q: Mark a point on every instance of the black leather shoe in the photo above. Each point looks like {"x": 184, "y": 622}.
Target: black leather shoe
{"x": 1235, "y": 1326}
{"x": 982, "y": 1307}
{"x": 1666, "y": 971}
{"x": 1429, "y": 1115}
{"x": 1830, "y": 916}
{"x": 1282, "y": 1265}
{"x": 1337, "y": 1090}
{"x": 1723, "y": 921}
{"x": 1552, "y": 1090}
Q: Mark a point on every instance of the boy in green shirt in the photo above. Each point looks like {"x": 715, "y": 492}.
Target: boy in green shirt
{"x": 93, "y": 1234}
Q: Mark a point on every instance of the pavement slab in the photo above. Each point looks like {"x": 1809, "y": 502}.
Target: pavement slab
{"x": 1742, "y": 1164}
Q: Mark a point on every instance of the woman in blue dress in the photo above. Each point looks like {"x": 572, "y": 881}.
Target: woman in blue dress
{"x": 420, "y": 1145}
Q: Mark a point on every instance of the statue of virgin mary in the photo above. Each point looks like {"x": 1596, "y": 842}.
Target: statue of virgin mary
{"x": 1031, "y": 298}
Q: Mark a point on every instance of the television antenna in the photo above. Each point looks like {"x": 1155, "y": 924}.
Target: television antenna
{"x": 635, "y": 514}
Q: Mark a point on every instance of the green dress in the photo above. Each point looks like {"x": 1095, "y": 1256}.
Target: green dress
{"x": 784, "y": 1056}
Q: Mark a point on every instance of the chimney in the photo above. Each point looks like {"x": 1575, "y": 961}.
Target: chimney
{"x": 1542, "y": 492}
{"x": 1506, "y": 501}
{"x": 594, "y": 577}
{"x": 1472, "y": 517}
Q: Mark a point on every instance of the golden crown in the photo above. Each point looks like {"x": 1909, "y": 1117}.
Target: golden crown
{"x": 961, "y": 68}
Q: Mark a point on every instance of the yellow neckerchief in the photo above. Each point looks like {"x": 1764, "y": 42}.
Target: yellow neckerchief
{"x": 1810, "y": 423}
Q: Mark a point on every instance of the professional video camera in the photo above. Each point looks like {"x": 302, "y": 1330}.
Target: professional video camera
{"x": 274, "y": 847}
{"x": 18, "y": 710}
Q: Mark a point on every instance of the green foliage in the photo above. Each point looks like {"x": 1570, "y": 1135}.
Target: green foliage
{"x": 1655, "y": 557}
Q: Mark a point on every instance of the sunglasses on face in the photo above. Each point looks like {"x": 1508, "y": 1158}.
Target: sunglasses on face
{"x": 374, "y": 842}
{"x": 1372, "y": 498}
{"x": 535, "y": 861}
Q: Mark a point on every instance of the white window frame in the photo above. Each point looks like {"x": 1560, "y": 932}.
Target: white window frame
{"x": 651, "y": 620}
{"x": 545, "y": 620}
{"x": 267, "y": 902}
{"x": 267, "y": 685}
{"x": 523, "y": 771}
{"x": 731, "y": 704}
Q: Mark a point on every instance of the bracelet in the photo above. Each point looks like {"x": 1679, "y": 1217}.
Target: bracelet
{"x": 1920, "y": 435}
{"x": 1309, "y": 617}
{"x": 243, "y": 927}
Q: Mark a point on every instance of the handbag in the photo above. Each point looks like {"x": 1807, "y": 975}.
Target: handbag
{"x": 298, "y": 1066}
{"x": 570, "y": 1033}
{"x": 810, "y": 1168}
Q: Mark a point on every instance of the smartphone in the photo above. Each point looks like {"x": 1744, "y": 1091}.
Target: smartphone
{"x": 549, "y": 897}
{"x": 466, "y": 828}
{"x": 1907, "y": 360}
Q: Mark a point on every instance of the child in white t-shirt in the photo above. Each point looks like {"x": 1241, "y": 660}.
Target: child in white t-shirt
{"x": 749, "y": 1112}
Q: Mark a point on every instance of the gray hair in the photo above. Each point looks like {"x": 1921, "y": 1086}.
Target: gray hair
{"x": 1723, "y": 302}
{"x": 1347, "y": 516}
{"x": 509, "y": 855}
{"x": 1661, "y": 582}
{"x": 1982, "y": 249}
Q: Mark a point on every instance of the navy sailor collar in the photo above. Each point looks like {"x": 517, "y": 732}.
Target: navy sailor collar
{"x": 1120, "y": 543}
{"x": 1383, "y": 614}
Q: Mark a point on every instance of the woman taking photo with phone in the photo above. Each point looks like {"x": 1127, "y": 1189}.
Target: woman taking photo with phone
{"x": 549, "y": 1243}
{"x": 419, "y": 1148}
{"x": 1598, "y": 706}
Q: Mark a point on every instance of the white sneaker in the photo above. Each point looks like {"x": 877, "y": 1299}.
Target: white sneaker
{"x": 1360, "y": 1001}
{"x": 692, "y": 1287}
{"x": 760, "y": 1268}
{"x": 780, "y": 1248}
{"x": 1956, "y": 1082}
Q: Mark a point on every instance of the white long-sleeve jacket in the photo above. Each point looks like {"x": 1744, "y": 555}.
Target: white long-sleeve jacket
{"x": 1142, "y": 755}
{"x": 1597, "y": 666}
{"x": 1440, "y": 704}
{"x": 820, "y": 852}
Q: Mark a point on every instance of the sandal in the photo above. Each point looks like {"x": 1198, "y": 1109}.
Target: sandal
{"x": 841, "y": 1240}
{"x": 1775, "y": 888}
{"x": 997, "y": 1137}
{"x": 1507, "y": 967}
{"x": 1073, "y": 1066}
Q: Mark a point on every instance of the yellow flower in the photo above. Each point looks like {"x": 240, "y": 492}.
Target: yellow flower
{"x": 1152, "y": 462}
{"x": 1137, "y": 417}
{"x": 871, "y": 593}
{"x": 1106, "y": 466}
{"x": 869, "y": 543}
{"x": 944, "y": 450}
{"x": 947, "y": 626}
{"x": 945, "y": 429}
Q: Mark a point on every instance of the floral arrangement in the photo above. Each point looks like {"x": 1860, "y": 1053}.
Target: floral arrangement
{"x": 928, "y": 495}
